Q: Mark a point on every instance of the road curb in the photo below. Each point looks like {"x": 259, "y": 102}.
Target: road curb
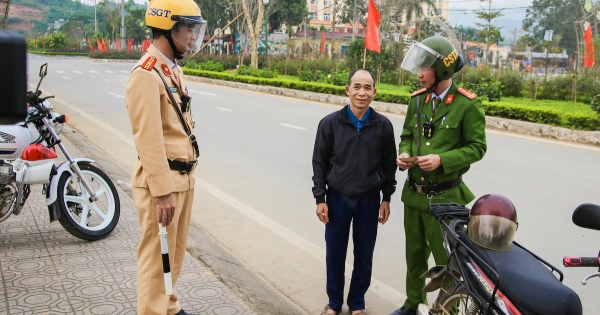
{"x": 114, "y": 60}
{"x": 263, "y": 297}
{"x": 498, "y": 123}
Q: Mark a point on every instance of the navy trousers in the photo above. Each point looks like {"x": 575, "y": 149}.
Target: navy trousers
{"x": 363, "y": 214}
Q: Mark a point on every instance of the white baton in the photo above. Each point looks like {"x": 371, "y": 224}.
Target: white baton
{"x": 164, "y": 248}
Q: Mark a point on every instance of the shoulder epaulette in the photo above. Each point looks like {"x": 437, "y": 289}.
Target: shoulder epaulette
{"x": 149, "y": 63}
{"x": 467, "y": 93}
{"x": 418, "y": 92}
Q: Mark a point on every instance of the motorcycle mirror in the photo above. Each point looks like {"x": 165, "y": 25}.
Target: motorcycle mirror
{"x": 43, "y": 73}
{"x": 43, "y": 70}
{"x": 587, "y": 216}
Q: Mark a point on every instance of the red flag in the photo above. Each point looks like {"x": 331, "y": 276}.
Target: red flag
{"x": 119, "y": 45}
{"x": 90, "y": 44}
{"x": 35, "y": 42}
{"x": 372, "y": 40}
{"x": 322, "y": 42}
{"x": 588, "y": 59}
{"x": 99, "y": 44}
{"x": 42, "y": 40}
{"x": 128, "y": 46}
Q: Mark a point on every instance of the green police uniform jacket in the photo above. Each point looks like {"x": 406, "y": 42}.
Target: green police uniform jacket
{"x": 458, "y": 138}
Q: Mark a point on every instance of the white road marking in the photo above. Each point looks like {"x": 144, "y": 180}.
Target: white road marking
{"x": 107, "y": 80}
{"x": 224, "y": 109}
{"x": 203, "y": 93}
{"x": 124, "y": 71}
{"x": 78, "y": 72}
{"x": 124, "y": 77}
{"x": 109, "y": 71}
{"x": 95, "y": 120}
{"x": 58, "y": 71}
{"x": 377, "y": 286}
{"x": 93, "y": 71}
{"x": 292, "y": 126}
{"x": 66, "y": 78}
{"x": 117, "y": 95}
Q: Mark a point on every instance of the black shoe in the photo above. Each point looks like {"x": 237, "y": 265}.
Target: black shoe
{"x": 182, "y": 312}
{"x": 404, "y": 311}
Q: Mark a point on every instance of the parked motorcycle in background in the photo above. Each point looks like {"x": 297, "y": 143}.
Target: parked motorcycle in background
{"x": 586, "y": 216}
{"x": 78, "y": 194}
{"x": 481, "y": 281}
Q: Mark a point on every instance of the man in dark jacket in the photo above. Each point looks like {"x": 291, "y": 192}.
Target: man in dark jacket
{"x": 353, "y": 163}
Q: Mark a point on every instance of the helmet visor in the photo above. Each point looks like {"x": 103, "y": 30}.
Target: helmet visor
{"x": 419, "y": 58}
{"x": 492, "y": 232}
{"x": 189, "y": 32}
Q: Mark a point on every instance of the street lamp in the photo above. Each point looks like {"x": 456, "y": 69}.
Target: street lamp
{"x": 265, "y": 3}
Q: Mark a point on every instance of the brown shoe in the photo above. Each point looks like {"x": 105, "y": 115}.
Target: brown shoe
{"x": 326, "y": 309}
{"x": 360, "y": 312}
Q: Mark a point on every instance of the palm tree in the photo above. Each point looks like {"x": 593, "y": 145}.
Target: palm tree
{"x": 414, "y": 8}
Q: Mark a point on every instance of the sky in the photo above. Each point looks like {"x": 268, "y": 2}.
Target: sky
{"x": 461, "y": 13}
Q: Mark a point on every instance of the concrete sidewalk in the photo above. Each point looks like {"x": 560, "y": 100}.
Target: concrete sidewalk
{"x": 46, "y": 270}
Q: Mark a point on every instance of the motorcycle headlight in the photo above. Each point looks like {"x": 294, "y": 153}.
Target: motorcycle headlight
{"x": 47, "y": 105}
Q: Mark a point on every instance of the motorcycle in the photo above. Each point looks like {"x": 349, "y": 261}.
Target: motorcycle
{"x": 585, "y": 216}
{"x": 78, "y": 194}
{"x": 480, "y": 281}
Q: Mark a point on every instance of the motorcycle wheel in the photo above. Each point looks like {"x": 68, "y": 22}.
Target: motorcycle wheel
{"x": 460, "y": 304}
{"x": 85, "y": 219}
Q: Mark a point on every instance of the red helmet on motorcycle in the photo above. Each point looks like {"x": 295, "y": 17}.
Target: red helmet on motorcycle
{"x": 493, "y": 222}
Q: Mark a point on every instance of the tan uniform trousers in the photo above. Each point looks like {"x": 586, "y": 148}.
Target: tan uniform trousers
{"x": 152, "y": 299}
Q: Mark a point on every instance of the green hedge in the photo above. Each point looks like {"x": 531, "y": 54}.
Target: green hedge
{"x": 508, "y": 110}
{"x": 382, "y": 96}
{"x": 523, "y": 112}
{"x": 582, "y": 122}
{"x": 58, "y": 53}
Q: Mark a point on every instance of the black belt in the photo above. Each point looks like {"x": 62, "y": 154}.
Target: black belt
{"x": 433, "y": 189}
{"x": 182, "y": 167}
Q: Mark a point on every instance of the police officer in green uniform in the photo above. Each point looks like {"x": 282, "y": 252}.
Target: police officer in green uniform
{"x": 443, "y": 134}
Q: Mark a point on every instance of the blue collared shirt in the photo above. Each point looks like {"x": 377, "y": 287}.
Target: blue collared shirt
{"x": 358, "y": 123}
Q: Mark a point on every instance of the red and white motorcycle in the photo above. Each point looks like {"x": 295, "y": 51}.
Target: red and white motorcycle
{"x": 78, "y": 194}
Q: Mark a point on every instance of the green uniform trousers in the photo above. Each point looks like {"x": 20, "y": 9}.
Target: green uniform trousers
{"x": 423, "y": 237}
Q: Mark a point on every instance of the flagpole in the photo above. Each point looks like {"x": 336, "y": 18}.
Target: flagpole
{"x": 365, "y": 58}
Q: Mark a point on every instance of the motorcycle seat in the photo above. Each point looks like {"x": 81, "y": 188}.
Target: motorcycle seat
{"x": 526, "y": 281}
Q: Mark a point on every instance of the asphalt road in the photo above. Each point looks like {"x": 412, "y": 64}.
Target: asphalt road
{"x": 255, "y": 168}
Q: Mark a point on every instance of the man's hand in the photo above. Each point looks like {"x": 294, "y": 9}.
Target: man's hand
{"x": 403, "y": 165}
{"x": 429, "y": 162}
{"x": 165, "y": 207}
{"x": 323, "y": 212}
{"x": 384, "y": 212}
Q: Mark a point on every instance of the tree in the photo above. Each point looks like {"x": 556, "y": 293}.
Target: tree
{"x": 414, "y": 8}
{"x": 291, "y": 12}
{"x": 346, "y": 13}
{"x": 556, "y": 15}
{"x": 489, "y": 32}
{"x": 468, "y": 33}
{"x": 254, "y": 11}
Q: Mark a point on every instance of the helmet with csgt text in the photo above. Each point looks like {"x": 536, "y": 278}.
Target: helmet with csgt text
{"x": 172, "y": 17}
{"x": 493, "y": 222}
{"x": 434, "y": 52}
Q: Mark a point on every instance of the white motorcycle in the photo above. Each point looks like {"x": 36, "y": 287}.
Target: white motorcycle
{"x": 79, "y": 195}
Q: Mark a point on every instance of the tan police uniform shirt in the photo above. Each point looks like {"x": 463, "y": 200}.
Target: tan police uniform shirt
{"x": 157, "y": 131}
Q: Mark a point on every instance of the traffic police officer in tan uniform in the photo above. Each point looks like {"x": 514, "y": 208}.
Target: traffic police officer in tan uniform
{"x": 443, "y": 134}
{"x": 163, "y": 176}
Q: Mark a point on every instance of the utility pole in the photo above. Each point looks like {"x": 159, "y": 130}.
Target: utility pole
{"x": 123, "y": 42}
{"x": 487, "y": 45}
{"x": 333, "y": 25}
{"x": 354, "y": 21}
{"x": 95, "y": 20}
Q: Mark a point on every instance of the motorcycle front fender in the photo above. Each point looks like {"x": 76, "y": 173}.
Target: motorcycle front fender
{"x": 52, "y": 191}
